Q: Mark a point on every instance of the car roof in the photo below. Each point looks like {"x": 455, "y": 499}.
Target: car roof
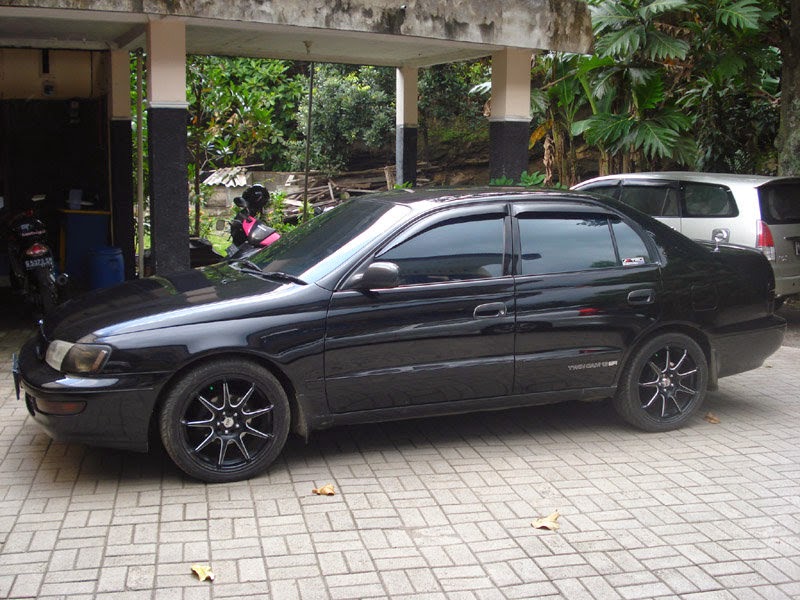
{"x": 423, "y": 198}
{"x": 694, "y": 176}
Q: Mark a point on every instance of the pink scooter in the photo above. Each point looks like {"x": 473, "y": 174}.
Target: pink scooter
{"x": 248, "y": 232}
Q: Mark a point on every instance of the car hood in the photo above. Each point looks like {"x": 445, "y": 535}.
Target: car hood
{"x": 206, "y": 294}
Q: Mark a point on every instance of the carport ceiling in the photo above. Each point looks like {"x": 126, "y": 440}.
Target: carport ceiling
{"x": 93, "y": 30}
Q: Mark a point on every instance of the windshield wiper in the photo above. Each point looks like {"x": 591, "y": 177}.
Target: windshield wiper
{"x": 251, "y": 268}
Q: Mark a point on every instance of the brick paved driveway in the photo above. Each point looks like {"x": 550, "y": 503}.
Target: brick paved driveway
{"x": 436, "y": 508}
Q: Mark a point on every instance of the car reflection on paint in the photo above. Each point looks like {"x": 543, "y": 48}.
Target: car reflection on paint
{"x": 399, "y": 305}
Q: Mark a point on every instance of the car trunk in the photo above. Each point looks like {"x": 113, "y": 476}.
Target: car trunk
{"x": 780, "y": 211}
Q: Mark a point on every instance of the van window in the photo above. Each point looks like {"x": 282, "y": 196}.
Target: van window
{"x": 653, "y": 200}
{"x": 780, "y": 203}
{"x": 708, "y": 200}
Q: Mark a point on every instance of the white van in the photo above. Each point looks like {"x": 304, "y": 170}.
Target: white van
{"x": 750, "y": 210}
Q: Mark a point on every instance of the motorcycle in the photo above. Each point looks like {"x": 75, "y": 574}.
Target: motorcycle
{"x": 249, "y": 233}
{"x": 31, "y": 260}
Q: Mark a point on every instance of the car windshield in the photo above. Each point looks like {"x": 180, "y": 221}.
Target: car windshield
{"x": 315, "y": 248}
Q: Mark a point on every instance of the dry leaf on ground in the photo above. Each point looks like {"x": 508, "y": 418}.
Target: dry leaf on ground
{"x": 325, "y": 490}
{"x": 549, "y": 522}
{"x": 712, "y": 418}
{"x": 203, "y": 572}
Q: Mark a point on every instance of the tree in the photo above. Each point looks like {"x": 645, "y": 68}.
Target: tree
{"x": 352, "y": 107}
{"x": 240, "y": 109}
{"x": 788, "y": 142}
{"x": 634, "y": 116}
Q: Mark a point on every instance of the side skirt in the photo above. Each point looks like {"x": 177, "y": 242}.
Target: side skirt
{"x": 453, "y": 408}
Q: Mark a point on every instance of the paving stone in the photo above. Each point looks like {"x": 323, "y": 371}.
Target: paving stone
{"x": 428, "y": 509}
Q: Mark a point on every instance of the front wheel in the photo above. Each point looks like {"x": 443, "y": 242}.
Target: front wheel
{"x": 664, "y": 383}
{"x": 225, "y": 421}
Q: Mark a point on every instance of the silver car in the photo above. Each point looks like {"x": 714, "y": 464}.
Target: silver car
{"x": 749, "y": 210}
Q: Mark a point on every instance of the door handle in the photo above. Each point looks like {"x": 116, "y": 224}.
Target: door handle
{"x": 639, "y": 297}
{"x": 492, "y": 309}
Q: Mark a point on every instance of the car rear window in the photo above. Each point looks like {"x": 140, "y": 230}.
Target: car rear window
{"x": 780, "y": 203}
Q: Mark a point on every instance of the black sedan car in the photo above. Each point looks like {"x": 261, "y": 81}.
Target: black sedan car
{"x": 406, "y": 304}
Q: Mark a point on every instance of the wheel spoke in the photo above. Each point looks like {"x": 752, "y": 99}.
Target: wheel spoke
{"x": 682, "y": 375}
{"x": 226, "y": 395}
{"x": 686, "y": 390}
{"x": 680, "y": 362}
{"x": 245, "y": 398}
{"x": 653, "y": 399}
{"x": 223, "y": 450}
{"x": 678, "y": 406}
{"x": 666, "y": 363}
{"x": 656, "y": 369}
{"x": 259, "y": 434}
{"x": 213, "y": 408}
{"x": 205, "y": 423}
{"x": 205, "y": 442}
{"x": 242, "y": 448}
{"x": 256, "y": 413}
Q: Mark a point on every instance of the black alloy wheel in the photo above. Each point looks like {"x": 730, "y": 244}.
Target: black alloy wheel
{"x": 664, "y": 383}
{"x": 225, "y": 421}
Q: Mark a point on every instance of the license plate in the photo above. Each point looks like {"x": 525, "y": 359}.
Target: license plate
{"x": 35, "y": 263}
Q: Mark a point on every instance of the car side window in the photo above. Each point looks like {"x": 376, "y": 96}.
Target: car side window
{"x": 454, "y": 250}
{"x": 708, "y": 200}
{"x": 631, "y": 248}
{"x": 604, "y": 190}
{"x": 653, "y": 200}
{"x": 564, "y": 243}
{"x": 553, "y": 243}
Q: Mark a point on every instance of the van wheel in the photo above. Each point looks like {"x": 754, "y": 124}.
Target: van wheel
{"x": 664, "y": 383}
{"x": 225, "y": 421}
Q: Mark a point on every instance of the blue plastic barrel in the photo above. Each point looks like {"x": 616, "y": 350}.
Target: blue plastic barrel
{"x": 106, "y": 267}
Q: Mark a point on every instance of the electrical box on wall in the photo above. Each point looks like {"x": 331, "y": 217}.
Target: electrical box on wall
{"x": 29, "y": 74}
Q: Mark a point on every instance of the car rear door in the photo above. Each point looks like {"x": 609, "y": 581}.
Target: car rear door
{"x": 444, "y": 334}
{"x": 587, "y": 284}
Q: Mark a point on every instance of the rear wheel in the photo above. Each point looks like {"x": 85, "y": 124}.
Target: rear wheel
{"x": 664, "y": 383}
{"x": 46, "y": 288}
{"x": 225, "y": 421}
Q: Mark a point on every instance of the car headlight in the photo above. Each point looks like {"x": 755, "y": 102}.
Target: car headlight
{"x": 77, "y": 358}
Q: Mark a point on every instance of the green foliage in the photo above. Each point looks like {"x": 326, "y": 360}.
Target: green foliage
{"x": 240, "y": 110}
{"x": 534, "y": 179}
{"x": 503, "y": 181}
{"x": 353, "y": 108}
{"x": 406, "y": 185}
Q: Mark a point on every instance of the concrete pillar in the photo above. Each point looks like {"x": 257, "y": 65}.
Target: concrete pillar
{"x": 407, "y": 125}
{"x": 120, "y": 158}
{"x": 511, "y": 113}
{"x": 166, "y": 121}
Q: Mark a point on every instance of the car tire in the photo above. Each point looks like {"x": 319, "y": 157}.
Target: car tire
{"x": 46, "y": 288}
{"x": 664, "y": 383}
{"x": 225, "y": 421}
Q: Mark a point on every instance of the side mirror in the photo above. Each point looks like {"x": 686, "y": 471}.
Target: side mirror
{"x": 379, "y": 275}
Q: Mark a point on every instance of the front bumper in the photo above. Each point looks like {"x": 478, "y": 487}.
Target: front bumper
{"x": 115, "y": 411}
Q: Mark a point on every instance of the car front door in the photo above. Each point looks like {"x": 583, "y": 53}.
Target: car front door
{"x": 587, "y": 283}
{"x": 444, "y": 334}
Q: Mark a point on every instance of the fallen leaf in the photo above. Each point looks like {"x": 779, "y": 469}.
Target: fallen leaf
{"x": 712, "y": 418}
{"x": 549, "y": 522}
{"x": 325, "y": 490}
{"x": 203, "y": 572}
